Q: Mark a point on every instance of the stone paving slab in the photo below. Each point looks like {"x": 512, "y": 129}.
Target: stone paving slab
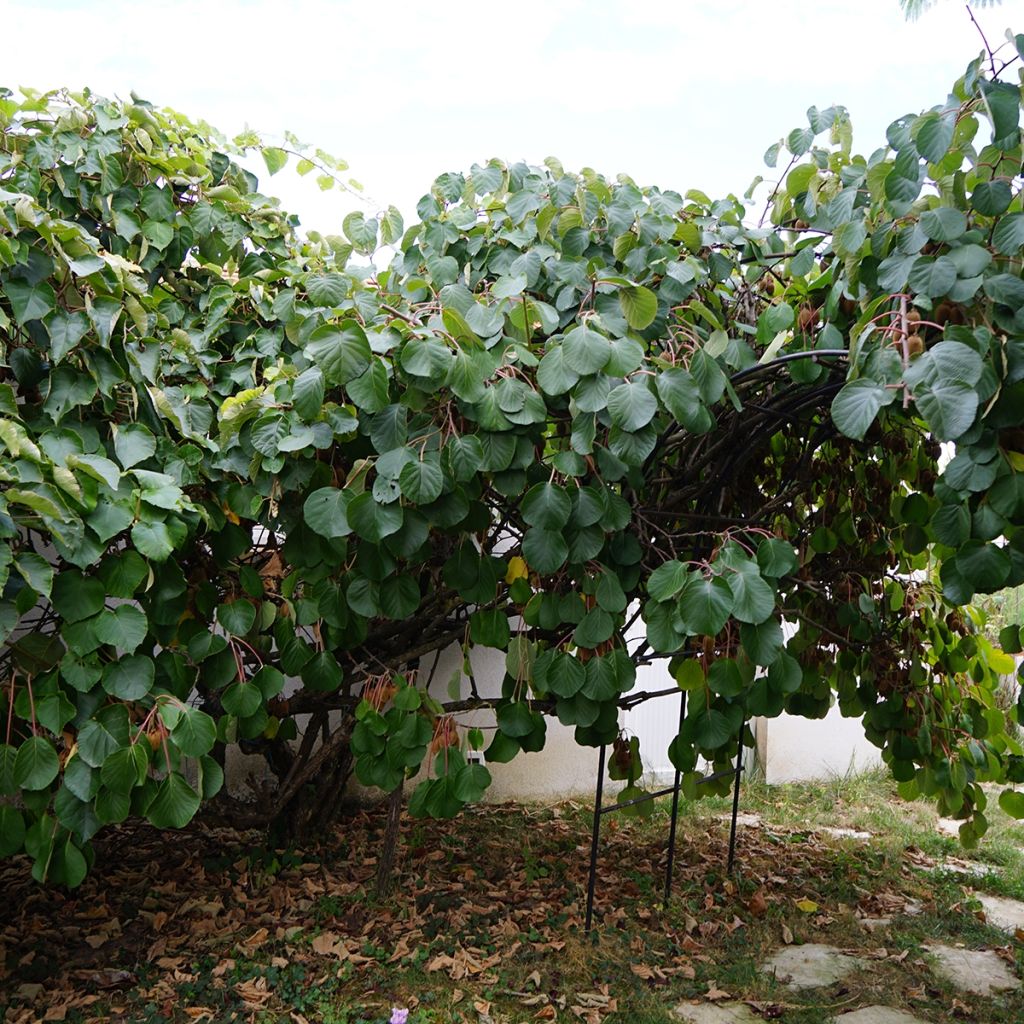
{"x": 875, "y": 924}
{"x": 845, "y": 833}
{"x": 716, "y": 1013}
{"x": 980, "y": 972}
{"x": 1003, "y": 913}
{"x": 810, "y": 966}
{"x": 956, "y": 866}
{"x": 877, "y": 1015}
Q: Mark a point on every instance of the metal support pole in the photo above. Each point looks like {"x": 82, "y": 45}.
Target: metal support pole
{"x": 595, "y": 837}
{"x": 735, "y": 801}
{"x": 675, "y": 809}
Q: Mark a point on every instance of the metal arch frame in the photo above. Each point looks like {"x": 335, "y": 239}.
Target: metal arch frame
{"x": 600, "y": 811}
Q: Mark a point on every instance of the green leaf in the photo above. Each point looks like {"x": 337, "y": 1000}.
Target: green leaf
{"x": 1010, "y": 640}
{"x": 595, "y": 628}
{"x": 130, "y": 678}
{"x": 724, "y": 677}
{"x": 341, "y": 352}
{"x": 763, "y": 642}
{"x": 1012, "y": 803}
{"x": 124, "y": 627}
{"x": 547, "y": 506}
{"x": 421, "y": 482}
{"x": 681, "y": 395}
{"x": 933, "y": 135}
{"x": 639, "y": 306}
{"x": 121, "y": 575}
{"x": 174, "y": 803}
{"x": 274, "y": 158}
{"x": 242, "y": 699}
{"x": 76, "y": 597}
{"x": 237, "y": 617}
{"x": 12, "y": 831}
{"x": 399, "y": 597}
{"x": 776, "y": 558}
{"x": 985, "y": 566}
{"x": 102, "y": 734}
{"x": 465, "y": 456}
{"x": 710, "y": 729}
{"x": 194, "y": 733}
{"x": 373, "y": 521}
{"x": 370, "y": 390}
{"x": 948, "y": 407}
{"x": 705, "y": 604}
{"x": 1002, "y": 102}
{"x": 361, "y": 231}
{"x": 632, "y": 405}
{"x": 326, "y": 512}
{"x": 327, "y": 289}
{"x": 554, "y": 375}
{"x": 467, "y": 377}
{"x": 126, "y": 768}
{"x": 322, "y": 673}
{"x": 545, "y": 551}
{"x": 515, "y": 719}
{"x": 932, "y": 276}
{"x": 269, "y": 680}
{"x": 36, "y": 571}
{"x": 153, "y": 540}
{"x": 66, "y": 331}
{"x": 133, "y": 443}
{"x": 509, "y": 286}
{"x": 490, "y": 628}
{"x": 36, "y": 764}
{"x": 753, "y": 599}
{"x": 8, "y": 755}
{"x": 308, "y": 393}
{"x": 112, "y": 807}
{"x": 29, "y": 301}
{"x": 610, "y": 595}
{"x": 98, "y": 468}
{"x": 991, "y": 198}
{"x": 586, "y": 351}
{"x": 1008, "y": 236}
{"x": 857, "y": 404}
{"x": 667, "y": 580}
{"x": 785, "y": 675}
{"x": 943, "y": 224}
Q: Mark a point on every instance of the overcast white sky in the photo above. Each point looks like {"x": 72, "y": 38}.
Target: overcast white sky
{"x": 677, "y": 94}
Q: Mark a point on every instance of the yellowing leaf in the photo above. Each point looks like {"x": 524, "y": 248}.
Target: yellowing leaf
{"x": 517, "y": 569}
{"x": 807, "y": 906}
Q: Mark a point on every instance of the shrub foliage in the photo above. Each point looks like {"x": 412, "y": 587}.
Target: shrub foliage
{"x": 246, "y": 479}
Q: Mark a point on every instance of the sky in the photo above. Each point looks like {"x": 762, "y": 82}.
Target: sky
{"x": 676, "y": 94}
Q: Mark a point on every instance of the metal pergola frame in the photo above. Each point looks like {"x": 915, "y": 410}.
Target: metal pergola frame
{"x": 600, "y": 811}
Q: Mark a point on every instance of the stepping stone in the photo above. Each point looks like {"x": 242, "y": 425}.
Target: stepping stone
{"x": 956, "y": 866}
{"x": 845, "y": 833}
{"x": 810, "y": 966}
{"x": 980, "y": 972}
{"x": 875, "y": 924}
{"x": 1003, "y": 913}
{"x": 720, "y": 1013}
{"x": 877, "y": 1015}
{"x": 744, "y": 819}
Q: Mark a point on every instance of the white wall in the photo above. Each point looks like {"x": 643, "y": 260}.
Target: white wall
{"x": 793, "y": 749}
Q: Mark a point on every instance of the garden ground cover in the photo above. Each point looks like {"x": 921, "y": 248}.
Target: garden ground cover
{"x": 485, "y": 923}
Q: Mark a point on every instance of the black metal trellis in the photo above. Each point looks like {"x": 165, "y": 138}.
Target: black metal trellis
{"x": 600, "y": 811}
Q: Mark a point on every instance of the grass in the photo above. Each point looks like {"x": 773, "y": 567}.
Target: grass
{"x": 485, "y": 925}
